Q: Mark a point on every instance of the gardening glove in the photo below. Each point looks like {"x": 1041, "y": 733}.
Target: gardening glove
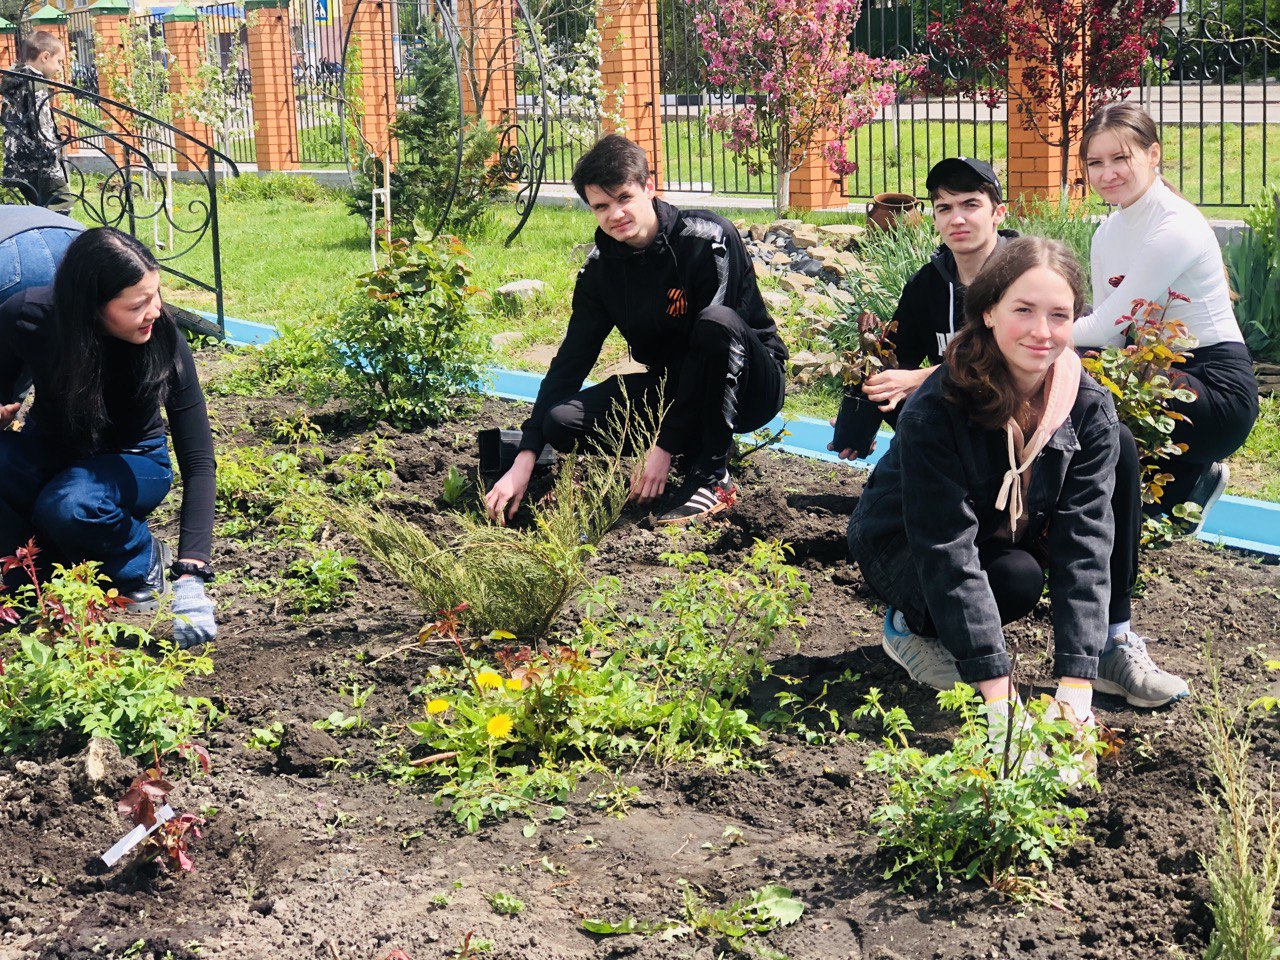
{"x": 192, "y": 613}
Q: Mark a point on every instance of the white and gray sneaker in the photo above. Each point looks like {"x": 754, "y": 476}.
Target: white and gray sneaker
{"x": 925, "y": 659}
{"x": 701, "y": 497}
{"x": 1127, "y": 670}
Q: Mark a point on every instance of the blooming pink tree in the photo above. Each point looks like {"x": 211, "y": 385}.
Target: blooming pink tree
{"x": 1074, "y": 56}
{"x": 804, "y": 81}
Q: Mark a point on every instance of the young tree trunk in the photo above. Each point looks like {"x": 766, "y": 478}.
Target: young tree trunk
{"x": 782, "y": 197}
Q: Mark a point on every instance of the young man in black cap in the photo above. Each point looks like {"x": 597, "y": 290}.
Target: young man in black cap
{"x": 679, "y": 286}
{"x": 967, "y": 211}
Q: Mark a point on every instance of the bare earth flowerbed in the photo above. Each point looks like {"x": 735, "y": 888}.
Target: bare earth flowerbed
{"x": 303, "y": 861}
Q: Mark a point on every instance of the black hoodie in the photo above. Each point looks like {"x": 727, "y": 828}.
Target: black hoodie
{"x": 931, "y": 309}
{"x": 653, "y": 296}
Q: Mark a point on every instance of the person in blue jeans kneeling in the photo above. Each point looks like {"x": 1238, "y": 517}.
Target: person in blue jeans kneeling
{"x": 91, "y": 462}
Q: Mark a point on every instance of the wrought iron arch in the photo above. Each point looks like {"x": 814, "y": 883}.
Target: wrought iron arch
{"x": 119, "y": 164}
{"x": 517, "y": 62}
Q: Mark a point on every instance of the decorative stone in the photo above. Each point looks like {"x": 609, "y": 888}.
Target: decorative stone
{"x": 758, "y": 232}
{"x": 581, "y": 251}
{"x": 775, "y": 300}
{"x": 841, "y": 295}
{"x": 761, "y": 271}
{"x": 804, "y": 239}
{"x": 786, "y": 226}
{"x": 521, "y": 289}
{"x": 806, "y": 265}
{"x": 842, "y": 235}
{"x": 818, "y": 301}
{"x": 796, "y": 283}
{"x": 781, "y": 258}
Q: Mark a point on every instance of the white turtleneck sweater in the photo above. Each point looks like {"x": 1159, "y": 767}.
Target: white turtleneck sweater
{"x": 1159, "y": 243}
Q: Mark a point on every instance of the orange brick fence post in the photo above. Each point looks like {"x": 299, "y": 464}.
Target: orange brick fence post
{"x": 275, "y": 114}
{"x": 184, "y": 36}
{"x": 8, "y": 44}
{"x": 372, "y": 34}
{"x": 629, "y": 69}
{"x": 110, "y": 28}
{"x": 813, "y": 184}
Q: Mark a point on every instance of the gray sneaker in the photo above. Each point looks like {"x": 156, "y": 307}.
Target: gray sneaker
{"x": 1128, "y": 671}
{"x": 925, "y": 659}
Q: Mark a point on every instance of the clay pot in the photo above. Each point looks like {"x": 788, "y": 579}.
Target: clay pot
{"x": 887, "y": 209}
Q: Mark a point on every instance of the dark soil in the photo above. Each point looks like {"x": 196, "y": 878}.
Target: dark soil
{"x": 300, "y": 861}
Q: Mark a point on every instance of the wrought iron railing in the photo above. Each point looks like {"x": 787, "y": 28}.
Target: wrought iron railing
{"x": 132, "y": 171}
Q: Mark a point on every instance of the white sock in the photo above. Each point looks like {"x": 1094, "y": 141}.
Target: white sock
{"x": 1078, "y": 695}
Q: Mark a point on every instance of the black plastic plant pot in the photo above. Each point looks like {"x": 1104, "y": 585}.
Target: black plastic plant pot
{"x": 856, "y": 425}
{"x": 498, "y": 449}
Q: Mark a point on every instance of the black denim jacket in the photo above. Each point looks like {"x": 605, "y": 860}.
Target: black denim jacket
{"x": 931, "y": 501}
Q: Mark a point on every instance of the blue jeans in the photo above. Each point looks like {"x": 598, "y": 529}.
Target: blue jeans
{"x": 32, "y": 242}
{"x": 90, "y": 509}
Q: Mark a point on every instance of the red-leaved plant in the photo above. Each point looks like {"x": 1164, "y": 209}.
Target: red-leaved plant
{"x": 150, "y": 790}
{"x": 1072, "y": 57}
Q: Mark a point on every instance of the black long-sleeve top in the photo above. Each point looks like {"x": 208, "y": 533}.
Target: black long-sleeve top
{"x": 653, "y": 297}
{"x": 27, "y": 347}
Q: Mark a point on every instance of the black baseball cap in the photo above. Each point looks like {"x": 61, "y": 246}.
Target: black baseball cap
{"x": 951, "y": 165}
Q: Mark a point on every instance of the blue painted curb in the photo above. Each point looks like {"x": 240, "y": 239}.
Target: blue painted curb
{"x": 1235, "y": 521}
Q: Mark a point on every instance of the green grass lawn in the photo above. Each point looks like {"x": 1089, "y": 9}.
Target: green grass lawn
{"x": 288, "y": 260}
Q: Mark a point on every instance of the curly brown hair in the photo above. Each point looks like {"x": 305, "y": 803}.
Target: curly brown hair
{"x": 977, "y": 377}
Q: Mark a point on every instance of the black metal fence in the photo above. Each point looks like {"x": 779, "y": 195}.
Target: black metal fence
{"x": 1212, "y": 85}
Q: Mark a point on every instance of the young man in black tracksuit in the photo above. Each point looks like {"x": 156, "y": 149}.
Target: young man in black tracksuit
{"x": 679, "y": 286}
{"x": 967, "y": 211}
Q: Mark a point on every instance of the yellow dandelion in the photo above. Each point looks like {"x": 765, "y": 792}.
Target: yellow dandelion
{"x": 488, "y": 680}
{"x": 499, "y": 726}
{"x": 513, "y": 684}
{"x": 437, "y": 706}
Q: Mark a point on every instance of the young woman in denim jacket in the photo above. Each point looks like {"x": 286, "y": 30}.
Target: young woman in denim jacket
{"x": 91, "y": 461}
{"x": 1001, "y": 470}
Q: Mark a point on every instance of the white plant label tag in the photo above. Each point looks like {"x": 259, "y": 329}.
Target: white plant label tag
{"x": 136, "y": 836}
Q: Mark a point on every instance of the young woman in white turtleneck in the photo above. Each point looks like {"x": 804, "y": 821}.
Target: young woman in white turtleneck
{"x": 1157, "y": 243}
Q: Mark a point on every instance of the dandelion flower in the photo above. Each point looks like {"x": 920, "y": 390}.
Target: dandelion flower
{"x": 437, "y": 706}
{"x": 488, "y": 680}
{"x": 499, "y": 727}
{"x": 513, "y": 684}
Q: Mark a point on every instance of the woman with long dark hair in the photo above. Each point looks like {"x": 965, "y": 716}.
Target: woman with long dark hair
{"x": 91, "y": 461}
{"x": 1001, "y": 470}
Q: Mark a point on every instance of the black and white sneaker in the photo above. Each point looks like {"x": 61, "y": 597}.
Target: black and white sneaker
{"x": 700, "y": 497}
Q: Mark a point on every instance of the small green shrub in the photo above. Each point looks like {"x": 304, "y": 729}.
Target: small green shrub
{"x": 517, "y": 733}
{"x": 515, "y": 579}
{"x": 1139, "y": 378}
{"x": 320, "y": 580}
{"x": 428, "y": 173}
{"x": 1074, "y": 225}
{"x": 972, "y": 811}
{"x": 405, "y": 342}
{"x": 64, "y": 666}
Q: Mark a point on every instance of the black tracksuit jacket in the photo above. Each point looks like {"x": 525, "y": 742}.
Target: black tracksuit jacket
{"x": 653, "y": 297}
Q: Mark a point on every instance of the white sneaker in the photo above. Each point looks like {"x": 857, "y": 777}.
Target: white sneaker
{"x": 925, "y": 659}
